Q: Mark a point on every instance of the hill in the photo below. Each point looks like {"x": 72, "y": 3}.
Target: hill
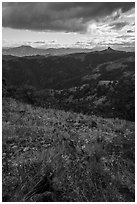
{"x": 90, "y": 158}
{"x": 61, "y": 72}
{"x": 31, "y": 51}
{"x": 102, "y": 82}
{"x": 68, "y": 127}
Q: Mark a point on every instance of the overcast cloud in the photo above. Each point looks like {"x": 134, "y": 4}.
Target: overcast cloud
{"x": 118, "y": 25}
{"x": 60, "y": 16}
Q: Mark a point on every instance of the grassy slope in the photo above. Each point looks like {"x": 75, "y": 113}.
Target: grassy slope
{"x": 90, "y": 163}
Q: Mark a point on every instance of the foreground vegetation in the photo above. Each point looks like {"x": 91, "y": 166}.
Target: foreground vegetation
{"x": 90, "y": 158}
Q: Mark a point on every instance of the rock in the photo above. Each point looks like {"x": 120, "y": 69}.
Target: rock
{"x": 25, "y": 149}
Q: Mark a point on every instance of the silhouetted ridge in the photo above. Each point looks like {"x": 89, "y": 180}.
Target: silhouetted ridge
{"x": 109, "y": 50}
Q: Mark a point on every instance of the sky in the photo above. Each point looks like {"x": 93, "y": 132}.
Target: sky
{"x": 94, "y": 25}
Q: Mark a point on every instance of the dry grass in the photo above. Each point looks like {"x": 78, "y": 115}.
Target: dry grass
{"x": 88, "y": 163}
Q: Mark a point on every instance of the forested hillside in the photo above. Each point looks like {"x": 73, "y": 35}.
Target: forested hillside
{"x": 68, "y": 127}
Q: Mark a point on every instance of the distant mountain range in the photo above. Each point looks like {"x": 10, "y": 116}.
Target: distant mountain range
{"x": 30, "y": 51}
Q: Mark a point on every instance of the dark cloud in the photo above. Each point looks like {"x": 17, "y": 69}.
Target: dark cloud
{"x": 116, "y": 16}
{"x": 39, "y": 42}
{"x": 124, "y": 36}
{"x": 130, "y": 31}
{"x": 57, "y": 16}
{"x": 118, "y": 25}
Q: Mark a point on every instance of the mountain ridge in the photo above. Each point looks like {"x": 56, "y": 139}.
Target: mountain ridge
{"x": 26, "y": 50}
{"x": 83, "y": 82}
